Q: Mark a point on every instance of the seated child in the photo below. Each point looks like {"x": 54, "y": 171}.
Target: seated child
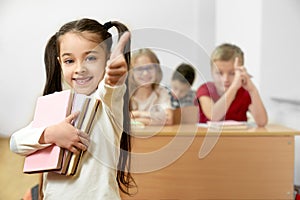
{"x": 232, "y": 93}
{"x": 149, "y": 102}
{"x": 182, "y": 80}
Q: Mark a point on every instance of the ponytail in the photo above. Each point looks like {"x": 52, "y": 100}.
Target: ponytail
{"x": 124, "y": 178}
{"x": 53, "y": 69}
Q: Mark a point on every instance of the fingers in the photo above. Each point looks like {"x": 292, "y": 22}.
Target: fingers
{"x": 236, "y": 62}
{"x": 240, "y": 69}
{"x": 116, "y": 70}
{"x": 74, "y": 149}
{"x": 81, "y": 141}
{"x": 72, "y": 117}
{"x": 120, "y": 46}
{"x": 84, "y": 138}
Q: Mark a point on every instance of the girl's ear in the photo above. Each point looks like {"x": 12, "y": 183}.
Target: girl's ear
{"x": 58, "y": 59}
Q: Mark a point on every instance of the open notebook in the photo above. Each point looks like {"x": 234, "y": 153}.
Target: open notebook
{"x": 228, "y": 124}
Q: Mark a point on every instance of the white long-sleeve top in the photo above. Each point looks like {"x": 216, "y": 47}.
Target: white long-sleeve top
{"x": 96, "y": 177}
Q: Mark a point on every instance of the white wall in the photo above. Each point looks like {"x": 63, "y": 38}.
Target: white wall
{"x": 27, "y": 25}
{"x": 280, "y": 53}
{"x": 239, "y": 23}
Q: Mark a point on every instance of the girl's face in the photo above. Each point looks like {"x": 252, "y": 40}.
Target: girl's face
{"x": 144, "y": 71}
{"x": 223, "y": 74}
{"x": 82, "y": 61}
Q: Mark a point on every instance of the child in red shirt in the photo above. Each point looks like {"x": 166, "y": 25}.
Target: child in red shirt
{"x": 232, "y": 93}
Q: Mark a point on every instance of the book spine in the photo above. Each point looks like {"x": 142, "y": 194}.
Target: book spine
{"x": 75, "y": 158}
{"x": 78, "y": 124}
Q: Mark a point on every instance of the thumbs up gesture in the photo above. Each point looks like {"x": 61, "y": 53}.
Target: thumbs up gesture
{"x": 116, "y": 69}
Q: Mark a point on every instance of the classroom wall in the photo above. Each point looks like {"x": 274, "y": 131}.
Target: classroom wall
{"x": 27, "y": 25}
{"x": 239, "y": 23}
{"x": 280, "y": 52}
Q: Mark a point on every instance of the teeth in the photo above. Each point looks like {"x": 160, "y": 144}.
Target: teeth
{"x": 82, "y": 81}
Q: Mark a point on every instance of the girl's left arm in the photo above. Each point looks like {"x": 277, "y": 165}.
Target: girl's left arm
{"x": 257, "y": 108}
{"x": 113, "y": 86}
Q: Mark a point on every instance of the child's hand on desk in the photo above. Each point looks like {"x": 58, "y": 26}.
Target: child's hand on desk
{"x": 141, "y": 116}
{"x": 65, "y": 135}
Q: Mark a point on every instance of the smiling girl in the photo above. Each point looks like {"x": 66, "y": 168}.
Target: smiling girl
{"x": 150, "y": 103}
{"x": 79, "y": 54}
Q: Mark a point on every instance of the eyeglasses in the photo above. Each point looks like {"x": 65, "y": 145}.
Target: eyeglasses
{"x": 142, "y": 69}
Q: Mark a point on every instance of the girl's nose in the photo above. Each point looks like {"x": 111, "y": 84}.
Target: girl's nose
{"x": 225, "y": 77}
{"x": 80, "y": 68}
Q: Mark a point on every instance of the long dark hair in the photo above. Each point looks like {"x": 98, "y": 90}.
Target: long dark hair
{"x": 54, "y": 83}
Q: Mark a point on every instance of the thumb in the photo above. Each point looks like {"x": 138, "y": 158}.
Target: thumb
{"x": 72, "y": 117}
{"x": 120, "y": 45}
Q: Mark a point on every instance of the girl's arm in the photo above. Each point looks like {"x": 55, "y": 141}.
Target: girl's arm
{"x": 215, "y": 111}
{"x": 28, "y": 140}
{"x": 257, "y": 108}
{"x": 141, "y": 116}
{"x": 111, "y": 89}
{"x": 146, "y": 118}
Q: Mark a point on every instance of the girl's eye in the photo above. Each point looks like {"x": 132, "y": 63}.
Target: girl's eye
{"x": 68, "y": 61}
{"x": 90, "y": 58}
{"x": 232, "y": 73}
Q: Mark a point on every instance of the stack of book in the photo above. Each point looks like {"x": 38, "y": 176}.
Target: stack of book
{"x": 52, "y": 109}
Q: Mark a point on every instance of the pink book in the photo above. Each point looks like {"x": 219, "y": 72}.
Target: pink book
{"x": 50, "y": 109}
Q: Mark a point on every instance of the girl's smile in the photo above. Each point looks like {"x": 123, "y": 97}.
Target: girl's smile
{"x": 83, "y": 80}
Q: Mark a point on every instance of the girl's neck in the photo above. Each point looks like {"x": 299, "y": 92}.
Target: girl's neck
{"x": 143, "y": 92}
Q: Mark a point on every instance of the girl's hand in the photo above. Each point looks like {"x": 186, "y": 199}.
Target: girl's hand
{"x": 246, "y": 82}
{"x": 139, "y": 114}
{"x": 116, "y": 70}
{"x": 238, "y": 75}
{"x": 65, "y": 135}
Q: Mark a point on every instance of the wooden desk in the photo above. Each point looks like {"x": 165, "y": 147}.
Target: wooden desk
{"x": 257, "y": 163}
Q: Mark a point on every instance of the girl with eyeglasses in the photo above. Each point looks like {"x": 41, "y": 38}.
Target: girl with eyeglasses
{"x": 150, "y": 102}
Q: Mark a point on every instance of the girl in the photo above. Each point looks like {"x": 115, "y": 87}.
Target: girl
{"x": 79, "y": 55}
{"x": 150, "y": 103}
{"x": 232, "y": 93}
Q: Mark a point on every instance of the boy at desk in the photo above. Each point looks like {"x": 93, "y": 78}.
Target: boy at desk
{"x": 181, "y": 86}
{"x": 232, "y": 93}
